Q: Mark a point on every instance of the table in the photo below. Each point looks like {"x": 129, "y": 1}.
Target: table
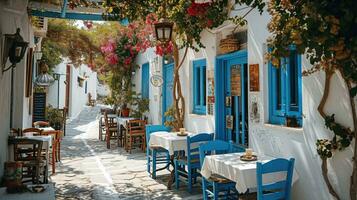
{"x": 47, "y": 143}
{"x": 172, "y": 143}
{"x": 243, "y": 173}
{"x": 48, "y": 194}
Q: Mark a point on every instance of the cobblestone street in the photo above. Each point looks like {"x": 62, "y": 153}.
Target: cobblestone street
{"x": 88, "y": 170}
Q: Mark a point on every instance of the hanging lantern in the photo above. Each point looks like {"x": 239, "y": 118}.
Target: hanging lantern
{"x": 44, "y": 79}
{"x": 163, "y": 30}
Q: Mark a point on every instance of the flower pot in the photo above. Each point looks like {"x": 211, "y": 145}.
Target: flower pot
{"x": 125, "y": 112}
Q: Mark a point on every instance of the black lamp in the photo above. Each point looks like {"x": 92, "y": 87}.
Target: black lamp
{"x": 14, "y": 49}
{"x": 163, "y": 30}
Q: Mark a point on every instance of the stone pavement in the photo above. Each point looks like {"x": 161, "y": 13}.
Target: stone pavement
{"x": 88, "y": 170}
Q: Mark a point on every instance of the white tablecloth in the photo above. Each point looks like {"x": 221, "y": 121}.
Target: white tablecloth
{"x": 123, "y": 120}
{"x": 47, "y": 129}
{"x": 46, "y": 139}
{"x": 169, "y": 141}
{"x": 243, "y": 173}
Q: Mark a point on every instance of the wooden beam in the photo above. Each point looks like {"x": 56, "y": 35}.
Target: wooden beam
{"x": 74, "y": 16}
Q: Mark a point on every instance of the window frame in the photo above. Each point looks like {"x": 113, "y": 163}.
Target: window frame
{"x": 201, "y": 67}
{"x": 145, "y": 83}
{"x": 276, "y": 115}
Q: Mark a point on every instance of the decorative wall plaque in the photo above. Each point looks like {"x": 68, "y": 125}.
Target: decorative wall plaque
{"x": 229, "y": 121}
{"x": 254, "y": 77}
{"x": 235, "y": 81}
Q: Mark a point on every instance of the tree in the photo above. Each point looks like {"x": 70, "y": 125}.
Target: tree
{"x": 326, "y": 31}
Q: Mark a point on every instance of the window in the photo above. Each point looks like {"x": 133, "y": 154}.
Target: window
{"x": 285, "y": 89}
{"x": 199, "y": 87}
{"x": 145, "y": 76}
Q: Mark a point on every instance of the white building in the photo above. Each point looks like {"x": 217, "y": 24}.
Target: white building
{"x": 75, "y": 84}
{"x": 263, "y": 131}
{"x": 13, "y": 14}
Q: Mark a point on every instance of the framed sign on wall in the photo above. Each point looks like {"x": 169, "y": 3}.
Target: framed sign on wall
{"x": 254, "y": 77}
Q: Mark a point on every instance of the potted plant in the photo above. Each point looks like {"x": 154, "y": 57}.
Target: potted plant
{"x": 54, "y": 117}
{"x": 141, "y": 106}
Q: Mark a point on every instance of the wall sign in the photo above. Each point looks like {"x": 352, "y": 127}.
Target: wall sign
{"x": 235, "y": 81}
{"x": 229, "y": 121}
{"x": 254, "y": 77}
{"x": 210, "y": 94}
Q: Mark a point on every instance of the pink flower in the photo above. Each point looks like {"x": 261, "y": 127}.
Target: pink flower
{"x": 127, "y": 61}
{"x": 112, "y": 59}
{"x": 151, "y": 19}
{"x": 159, "y": 50}
{"x": 109, "y": 46}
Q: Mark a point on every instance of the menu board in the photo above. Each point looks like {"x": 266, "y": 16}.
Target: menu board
{"x": 235, "y": 81}
{"x": 254, "y": 77}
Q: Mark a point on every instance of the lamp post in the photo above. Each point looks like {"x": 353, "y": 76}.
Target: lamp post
{"x": 14, "y": 49}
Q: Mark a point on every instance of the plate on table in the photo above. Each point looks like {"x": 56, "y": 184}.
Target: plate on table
{"x": 248, "y": 158}
{"x": 182, "y": 134}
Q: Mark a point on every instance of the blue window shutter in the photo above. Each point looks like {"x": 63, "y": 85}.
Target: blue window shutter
{"x": 145, "y": 76}
{"x": 285, "y": 95}
{"x": 199, "y": 86}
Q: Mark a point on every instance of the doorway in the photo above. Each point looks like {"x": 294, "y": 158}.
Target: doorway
{"x": 167, "y": 92}
{"x": 231, "y": 98}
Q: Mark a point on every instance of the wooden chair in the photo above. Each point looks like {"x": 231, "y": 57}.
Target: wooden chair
{"x": 53, "y": 151}
{"x": 28, "y": 151}
{"x": 275, "y": 190}
{"x": 33, "y": 131}
{"x": 40, "y": 124}
{"x": 191, "y": 160}
{"x": 111, "y": 129}
{"x": 155, "y": 154}
{"x": 135, "y": 135}
{"x": 216, "y": 184}
{"x": 15, "y": 132}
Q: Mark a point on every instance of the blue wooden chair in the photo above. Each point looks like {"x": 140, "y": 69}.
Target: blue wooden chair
{"x": 156, "y": 155}
{"x": 216, "y": 184}
{"x": 191, "y": 160}
{"x": 275, "y": 190}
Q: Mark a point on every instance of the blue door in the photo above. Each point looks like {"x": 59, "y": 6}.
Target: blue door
{"x": 145, "y": 76}
{"x": 231, "y": 94}
{"x": 168, "y": 74}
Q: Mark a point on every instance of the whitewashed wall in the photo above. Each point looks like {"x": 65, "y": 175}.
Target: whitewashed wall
{"x": 52, "y": 94}
{"x": 13, "y": 14}
{"x": 78, "y": 98}
{"x": 265, "y": 138}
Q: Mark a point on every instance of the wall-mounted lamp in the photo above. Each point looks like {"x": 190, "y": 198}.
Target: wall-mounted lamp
{"x": 14, "y": 49}
{"x": 163, "y": 30}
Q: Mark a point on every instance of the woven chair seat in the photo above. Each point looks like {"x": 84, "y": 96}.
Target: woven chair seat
{"x": 218, "y": 178}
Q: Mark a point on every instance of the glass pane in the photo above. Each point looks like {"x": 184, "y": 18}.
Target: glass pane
{"x": 198, "y": 85}
{"x": 293, "y": 76}
{"x": 204, "y": 84}
{"x": 278, "y": 88}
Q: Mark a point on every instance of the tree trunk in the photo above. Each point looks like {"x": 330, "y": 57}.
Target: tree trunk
{"x": 178, "y": 99}
{"x": 325, "y": 175}
{"x": 320, "y": 108}
{"x": 353, "y": 184}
